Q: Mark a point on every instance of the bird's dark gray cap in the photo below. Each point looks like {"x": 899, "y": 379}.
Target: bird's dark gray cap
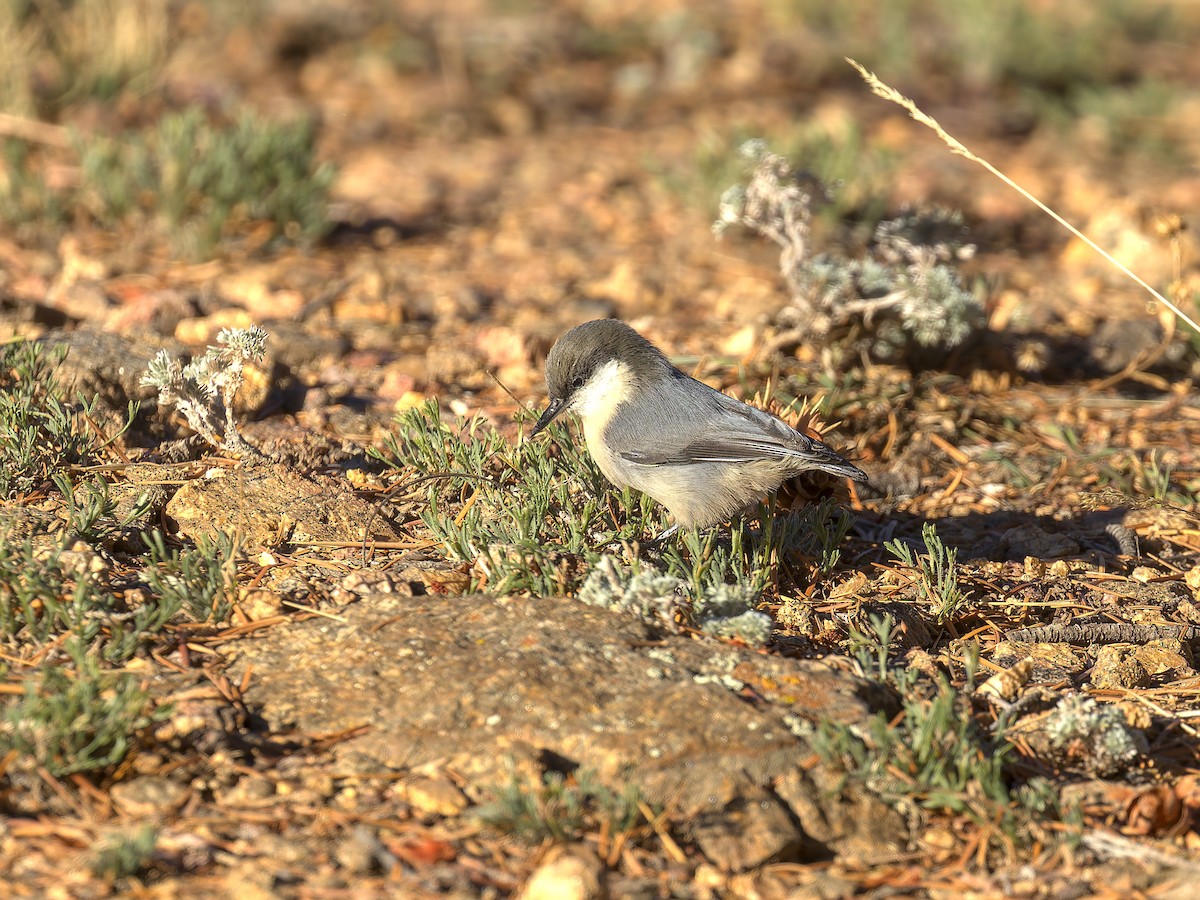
{"x": 583, "y": 350}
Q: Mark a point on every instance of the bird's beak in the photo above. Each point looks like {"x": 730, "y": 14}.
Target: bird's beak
{"x": 551, "y": 413}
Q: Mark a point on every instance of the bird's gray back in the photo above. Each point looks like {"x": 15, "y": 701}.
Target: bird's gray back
{"x": 681, "y": 421}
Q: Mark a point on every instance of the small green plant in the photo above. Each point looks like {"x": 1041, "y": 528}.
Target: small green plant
{"x": 91, "y": 511}
{"x": 41, "y": 434}
{"x": 935, "y": 754}
{"x": 195, "y": 581}
{"x": 1153, "y": 476}
{"x": 1095, "y": 738}
{"x": 204, "y": 389}
{"x": 47, "y": 591}
{"x": 185, "y": 180}
{"x": 937, "y": 569}
{"x": 861, "y": 172}
{"x": 199, "y": 182}
{"x": 904, "y": 298}
{"x": 78, "y": 718}
{"x": 537, "y": 514}
{"x": 53, "y": 587}
{"x": 1138, "y": 120}
{"x": 127, "y": 854}
{"x": 872, "y": 648}
{"x": 25, "y": 198}
{"x": 562, "y": 807}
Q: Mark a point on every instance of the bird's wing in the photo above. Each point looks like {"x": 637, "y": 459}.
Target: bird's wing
{"x": 709, "y": 426}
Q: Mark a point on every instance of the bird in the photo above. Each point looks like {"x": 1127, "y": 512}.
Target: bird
{"x": 700, "y": 453}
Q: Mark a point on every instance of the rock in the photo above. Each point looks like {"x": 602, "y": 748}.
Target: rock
{"x": 570, "y": 873}
{"x": 491, "y": 687}
{"x": 436, "y": 796}
{"x": 753, "y": 829}
{"x": 1030, "y": 540}
{"x": 1168, "y": 659}
{"x": 261, "y": 603}
{"x": 272, "y": 504}
{"x": 843, "y": 816}
{"x": 359, "y": 851}
{"x": 148, "y": 796}
{"x": 1117, "y": 667}
{"x": 1051, "y": 661}
{"x": 249, "y": 790}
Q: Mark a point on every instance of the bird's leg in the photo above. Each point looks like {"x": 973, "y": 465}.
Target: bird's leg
{"x": 660, "y": 538}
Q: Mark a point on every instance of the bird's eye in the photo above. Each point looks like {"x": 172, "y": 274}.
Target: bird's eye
{"x": 576, "y": 382}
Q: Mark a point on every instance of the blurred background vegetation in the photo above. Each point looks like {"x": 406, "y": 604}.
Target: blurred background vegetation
{"x": 1114, "y": 78}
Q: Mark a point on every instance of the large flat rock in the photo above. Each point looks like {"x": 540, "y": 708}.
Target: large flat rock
{"x": 498, "y": 687}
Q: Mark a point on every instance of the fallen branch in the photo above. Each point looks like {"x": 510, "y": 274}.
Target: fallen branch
{"x": 1103, "y": 633}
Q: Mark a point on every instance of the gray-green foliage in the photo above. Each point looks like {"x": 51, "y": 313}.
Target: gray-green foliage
{"x": 186, "y": 179}
{"x": 540, "y": 510}
{"x": 934, "y": 752}
{"x": 724, "y": 610}
{"x": 937, "y": 570}
{"x": 194, "y": 581}
{"x": 126, "y": 854}
{"x": 25, "y": 198}
{"x": 562, "y": 809}
{"x": 47, "y": 590}
{"x": 91, "y": 512}
{"x": 641, "y": 590}
{"x": 204, "y": 389}
{"x": 199, "y": 180}
{"x": 78, "y": 718}
{"x": 862, "y": 171}
{"x": 1098, "y": 734}
{"x": 540, "y": 514}
{"x": 904, "y": 298}
{"x": 56, "y": 585}
{"x": 41, "y": 433}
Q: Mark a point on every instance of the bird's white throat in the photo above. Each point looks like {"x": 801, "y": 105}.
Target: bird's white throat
{"x": 596, "y": 401}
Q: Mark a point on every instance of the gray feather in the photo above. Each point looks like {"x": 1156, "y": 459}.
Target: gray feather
{"x": 710, "y": 427}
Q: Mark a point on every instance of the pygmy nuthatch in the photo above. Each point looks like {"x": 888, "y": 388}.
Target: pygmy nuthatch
{"x": 701, "y": 454}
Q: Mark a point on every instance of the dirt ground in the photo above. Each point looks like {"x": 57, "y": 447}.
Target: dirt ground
{"x": 504, "y": 171}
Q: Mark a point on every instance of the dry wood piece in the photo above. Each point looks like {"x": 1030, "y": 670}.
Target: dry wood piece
{"x": 1104, "y": 633}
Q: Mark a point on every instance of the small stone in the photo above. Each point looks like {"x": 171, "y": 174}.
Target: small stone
{"x": 320, "y": 782}
{"x": 1136, "y": 715}
{"x": 573, "y": 873}
{"x": 1059, "y": 569}
{"x": 1143, "y": 574}
{"x": 434, "y": 796}
{"x": 741, "y": 342}
{"x": 1051, "y": 661}
{"x": 250, "y": 790}
{"x": 148, "y": 796}
{"x": 203, "y": 330}
{"x": 1165, "y": 659}
{"x": 1192, "y": 578}
{"x": 359, "y": 851}
{"x": 1034, "y": 567}
{"x": 1007, "y": 684}
{"x": 261, "y": 604}
{"x": 1117, "y": 667}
